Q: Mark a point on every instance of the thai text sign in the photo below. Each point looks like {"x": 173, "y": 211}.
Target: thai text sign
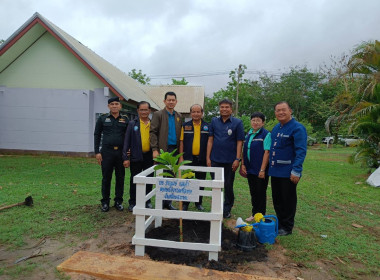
{"x": 177, "y": 189}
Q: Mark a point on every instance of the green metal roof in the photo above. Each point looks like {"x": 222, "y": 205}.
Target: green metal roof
{"x": 118, "y": 81}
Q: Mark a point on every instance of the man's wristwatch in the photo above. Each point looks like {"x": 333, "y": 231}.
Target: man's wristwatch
{"x": 238, "y": 159}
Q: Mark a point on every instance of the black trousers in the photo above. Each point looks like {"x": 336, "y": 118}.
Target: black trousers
{"x": 284, "y": 195}
{"x": 112, "y": 160}
{"x": 229, "y": 178}
{"x": 198, "y": 175}
{"x": 135, "y": 168}
{"x": 258, "y": 190}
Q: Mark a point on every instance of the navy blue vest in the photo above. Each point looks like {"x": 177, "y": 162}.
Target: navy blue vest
{"x": 256, "y": 152}
{"x": 188, "y": 136}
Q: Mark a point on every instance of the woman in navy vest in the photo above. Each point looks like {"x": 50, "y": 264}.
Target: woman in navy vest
{"x": 255, "y": 163}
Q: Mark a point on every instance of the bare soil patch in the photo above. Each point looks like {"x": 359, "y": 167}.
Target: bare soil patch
{"x": 199, "y": 232}
{"x": 116, "y": 240}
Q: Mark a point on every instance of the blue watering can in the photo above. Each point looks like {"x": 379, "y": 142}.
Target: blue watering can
{"x": 266, "y": 231}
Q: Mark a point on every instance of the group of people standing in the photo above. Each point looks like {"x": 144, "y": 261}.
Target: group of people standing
{"x": 280, "y": 155}
{"x": 221, "y": 143}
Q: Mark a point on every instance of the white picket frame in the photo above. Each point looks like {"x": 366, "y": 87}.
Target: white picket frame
{"x": 215, "y": 216}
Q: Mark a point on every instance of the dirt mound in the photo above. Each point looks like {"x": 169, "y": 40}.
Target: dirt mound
{"x": 199, "y": 231}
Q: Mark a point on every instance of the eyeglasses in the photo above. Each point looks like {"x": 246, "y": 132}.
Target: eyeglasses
{"x": 256, "y": 121}
{"x": 281, "y": 110}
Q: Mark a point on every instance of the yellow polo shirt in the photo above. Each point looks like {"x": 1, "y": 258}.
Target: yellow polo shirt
{"x": 196, "y": 139}
{"x": 144, "y": 132}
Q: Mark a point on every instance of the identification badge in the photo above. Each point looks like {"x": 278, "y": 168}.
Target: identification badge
{"x": 229, "y": 132}
{"x": 188, "y": 127}
{"x": 205, "y": 128}
{"x": 108, "y": 120}
{"x": 135, "y": 128}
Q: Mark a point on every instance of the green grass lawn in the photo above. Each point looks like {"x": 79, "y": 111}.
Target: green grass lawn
{"x": 332, "y": 196}
{"x": 66, "y": 196}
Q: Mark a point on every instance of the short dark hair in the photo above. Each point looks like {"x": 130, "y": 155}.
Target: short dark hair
{"x": 225, "y": 101}
{"x": 191, "y": 108}
{"x": 282, "y": 102}
{"x": 258, "y": 115}
{"x": 142, "y": 103}
{"x": 170, "y": 93}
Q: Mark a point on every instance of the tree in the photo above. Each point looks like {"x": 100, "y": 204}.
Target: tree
{"x": 211, "y": 107}
{"x": 179, "y": 82}
{"x": 139, "y": 76}
{"x": 365, "y": 63}
{"x": 357, "y": 103}
{"x": 250, "y": 97}
{"x": 368, "y": 127}
{"x": 338, "y": 90}
{"x": 302, "y": 88}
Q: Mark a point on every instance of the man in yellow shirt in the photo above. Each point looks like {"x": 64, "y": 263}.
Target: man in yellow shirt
{"x": 193, "y": 143}
{"x": 137, "y": 141}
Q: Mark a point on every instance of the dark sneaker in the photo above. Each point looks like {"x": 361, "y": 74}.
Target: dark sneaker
{"x": 169, "y": 207}
{"x": 282, "y": 232}
{"x": 227, "y": 215}
{"x": 130, "y": 207}
{"x": 199, "y": 207}
{"x": 105, "y": 207}
{"x": 119, "y": 206}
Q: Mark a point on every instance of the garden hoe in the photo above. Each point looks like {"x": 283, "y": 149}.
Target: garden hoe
{"x": 28, "y": 202}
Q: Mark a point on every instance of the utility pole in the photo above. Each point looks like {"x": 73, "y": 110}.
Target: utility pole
{"x": 237, "y": 92}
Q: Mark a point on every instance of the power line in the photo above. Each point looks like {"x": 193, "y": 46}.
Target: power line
{"x": 211, "y": 73}
{"x": 195, "y": 75}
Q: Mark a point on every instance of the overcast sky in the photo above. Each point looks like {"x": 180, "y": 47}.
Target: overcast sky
{"x": 181, "y": 37}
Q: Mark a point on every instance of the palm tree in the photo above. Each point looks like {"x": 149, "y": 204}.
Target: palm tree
{"x": 366, "y": 61}
{"x": 365, "y": 65}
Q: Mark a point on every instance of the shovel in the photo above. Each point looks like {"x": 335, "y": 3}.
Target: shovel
{"x": 28, "y": 202}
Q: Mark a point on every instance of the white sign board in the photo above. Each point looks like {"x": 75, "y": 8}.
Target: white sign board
{"x": 177, "y": 189}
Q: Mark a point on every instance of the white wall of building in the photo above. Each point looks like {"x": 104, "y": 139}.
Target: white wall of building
{"x": 49, "y": 119}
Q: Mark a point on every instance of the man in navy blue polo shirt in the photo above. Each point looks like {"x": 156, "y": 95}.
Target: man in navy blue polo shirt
{"x": 224, "y": 147}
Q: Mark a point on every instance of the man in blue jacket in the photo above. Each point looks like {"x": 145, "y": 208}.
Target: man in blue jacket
{"x": 287, "y": 154}
{"x": 193, "y": 143}
{"x": 137, "y": 141}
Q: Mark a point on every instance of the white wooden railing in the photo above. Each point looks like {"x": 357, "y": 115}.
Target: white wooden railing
{"x": 145, "y": 216}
